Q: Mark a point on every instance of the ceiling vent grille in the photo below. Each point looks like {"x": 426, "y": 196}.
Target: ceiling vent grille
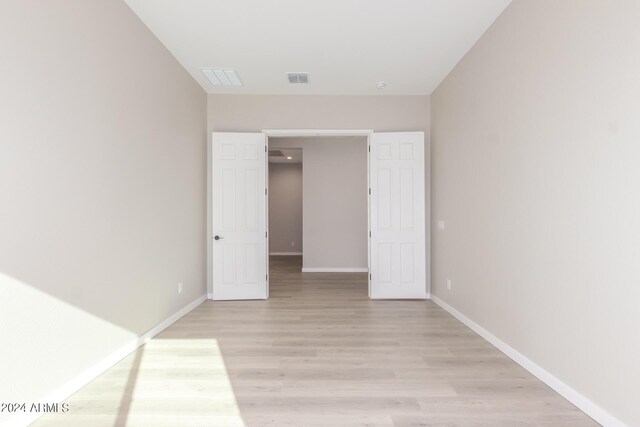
{"x": 275, "y": 153}
{"x": 222, "y": 77}
{"x": 298, "y": 78}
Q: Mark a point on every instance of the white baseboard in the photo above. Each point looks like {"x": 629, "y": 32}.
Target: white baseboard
{"x": 285, "y": 253}
{"x": 210, "y": 295}
{"x": 99, "y": 368}
{"x": 335, "y": 270}
{"x": 580, "y": 401}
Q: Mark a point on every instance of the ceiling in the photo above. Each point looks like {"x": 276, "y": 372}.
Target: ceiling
{"x": 294, "y": 153}
{"x": 347, "y": 46}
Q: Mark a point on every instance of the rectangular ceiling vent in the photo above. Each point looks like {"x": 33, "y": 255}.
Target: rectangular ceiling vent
{"x": 298, "y": 78}
{"x": 275, "y": 153}
{"x": 222, "y": 77}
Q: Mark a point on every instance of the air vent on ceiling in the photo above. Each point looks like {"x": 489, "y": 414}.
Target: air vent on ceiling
{"x": 299, "y": 78}
{"x": 222, "y": 77}
{"x": 275, "y": 153}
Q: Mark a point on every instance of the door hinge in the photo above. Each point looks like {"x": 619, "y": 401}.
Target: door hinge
{"x": 369, "y": 148}
{"x": 369, "y": 233}
{"x": 369, "y": 276}
{"x": 266, "y": 277}
{"x": 369, "y": 190}
{"x": 265, "y": 234}
{"x": 265, "y": 191}
{"x": 265, "y": 148}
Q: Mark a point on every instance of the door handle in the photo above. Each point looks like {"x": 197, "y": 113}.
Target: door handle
{"x": 217, "y": 237}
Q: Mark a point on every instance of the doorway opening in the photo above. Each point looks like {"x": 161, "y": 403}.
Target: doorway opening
{"x": 397, "y": 256}
{"x": 318, "y": 209}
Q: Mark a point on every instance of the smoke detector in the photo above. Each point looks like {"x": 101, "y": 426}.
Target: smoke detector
{"x": 298, "y": 78}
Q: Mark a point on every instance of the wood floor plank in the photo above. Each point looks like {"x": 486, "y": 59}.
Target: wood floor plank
{"x": 317, "y": 353}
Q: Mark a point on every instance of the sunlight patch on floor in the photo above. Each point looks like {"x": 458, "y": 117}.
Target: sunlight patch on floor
{"x": 170, "y": 382}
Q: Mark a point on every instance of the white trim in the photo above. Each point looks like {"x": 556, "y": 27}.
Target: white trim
{"x": 580, "y": 401}
{"x": 335, "y": 270}
{"x": 210, "y": 295}
{"x": 266, "y": 214}
{"x": 368, "y": 195}
{"x": 285, "y": 253}
{"x": 99, "y": 368}
{"x": 316, "y": 132}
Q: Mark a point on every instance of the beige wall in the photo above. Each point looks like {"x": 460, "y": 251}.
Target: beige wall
{"x": 335, "y": 203}
{"x": 334, "y": 200}
{"x": 254, "y": 113}
{"x": 536, "y": 154}
{"x": 102, "y": 188}
{"x": 285, "y": 207}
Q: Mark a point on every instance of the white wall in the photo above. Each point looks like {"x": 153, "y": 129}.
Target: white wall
{"x": 285, "y": 208}
{"x": 535, "y": 139}
{"x": 102, "y": 189}
{"x": 334, "y": 200}
{"x": 253, "y": 113}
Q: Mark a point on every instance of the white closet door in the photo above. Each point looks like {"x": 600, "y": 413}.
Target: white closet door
{"x": 239, "y": 216}
{"x": 396, "y": 168}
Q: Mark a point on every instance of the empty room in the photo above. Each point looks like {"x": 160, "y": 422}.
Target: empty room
{"x": 320, "y": 213}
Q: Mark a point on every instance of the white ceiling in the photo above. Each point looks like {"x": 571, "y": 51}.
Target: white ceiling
{"x": 347, "y": 46}
{"x": 294, "y": 153}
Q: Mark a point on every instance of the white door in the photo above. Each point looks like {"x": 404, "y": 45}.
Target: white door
{"x": 396, "y": 178}
{"x": 239, "y": 216}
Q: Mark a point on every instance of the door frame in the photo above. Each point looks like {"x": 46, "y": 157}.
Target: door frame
{"x": 302, "y": 133}
{"x": 272, "y": 133}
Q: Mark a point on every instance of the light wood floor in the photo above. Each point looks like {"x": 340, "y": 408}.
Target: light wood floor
{"x": 317, "y": 353}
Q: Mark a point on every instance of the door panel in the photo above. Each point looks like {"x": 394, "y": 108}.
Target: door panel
{"x": 398, "y": 263}
{"x": 239, "y": 256}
